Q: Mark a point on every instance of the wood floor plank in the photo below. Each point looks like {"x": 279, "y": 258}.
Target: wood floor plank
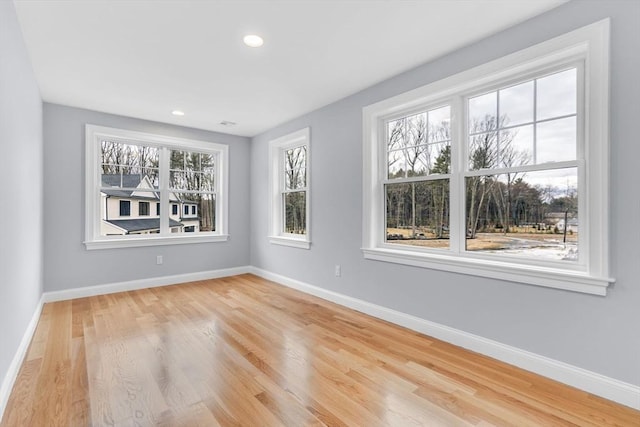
{"x": 243, "y": 351}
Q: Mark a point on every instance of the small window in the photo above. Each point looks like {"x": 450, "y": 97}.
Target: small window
{"x": 193, "y": 210}
{"x": 158, "y": 209}
{"x": 290, "y": 184}
{"x": 143, "y": 208}
{"x": 186, "y": 210}
{"x": 174, "y": 209}
{"x": 125, "y": 208}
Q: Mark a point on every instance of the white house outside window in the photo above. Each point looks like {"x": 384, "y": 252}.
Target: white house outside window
{"x": 289, "y": 175}
{"x": 127, "y": 171}
{"x": 499, "y": 171}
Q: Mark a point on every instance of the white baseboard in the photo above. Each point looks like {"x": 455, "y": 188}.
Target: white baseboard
{"x": 14, "y": 368}
{"x": 600, "y": 385}
{"x": 133, "y": 285}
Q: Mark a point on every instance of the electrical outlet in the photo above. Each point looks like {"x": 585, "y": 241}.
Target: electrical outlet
{"x": 338, "y": 270}
{"x": 159, "y": 260}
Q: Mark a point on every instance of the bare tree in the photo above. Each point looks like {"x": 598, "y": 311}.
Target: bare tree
{"x": 483, "y": 154}
{"x": 492, "y": 147}
{"x": 295, "y": 201}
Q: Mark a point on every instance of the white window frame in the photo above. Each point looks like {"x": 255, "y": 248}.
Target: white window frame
{"x": 277, "y": 148}
{"x": 93, "y": 240}
{"x": 588, "y": 46}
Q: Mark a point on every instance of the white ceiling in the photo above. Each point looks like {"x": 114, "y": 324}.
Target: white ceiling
{"x": 145, "y": 58}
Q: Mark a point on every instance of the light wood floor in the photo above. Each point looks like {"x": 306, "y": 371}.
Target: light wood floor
{"x": 243, "y": 351}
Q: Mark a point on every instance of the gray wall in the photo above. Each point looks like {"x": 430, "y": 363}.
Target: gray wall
{"x": 21, "y": 188}
{"x": 601, "y": 334}
{"x": 67, "y": 264}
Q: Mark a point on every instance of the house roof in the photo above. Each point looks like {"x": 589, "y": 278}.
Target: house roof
{"x": 127, "y": 181}
{"x": 118, "y": 182}
{"x": 128, "y": 194}
{"x": 138, "y": 224}
{"x": 130, "y": 181}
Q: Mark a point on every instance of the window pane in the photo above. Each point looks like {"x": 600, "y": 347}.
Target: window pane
{"x": 295, "y": 158}
{"x": 432, "y": 159}
{"x": 418, "y": 163}
{"x": 177, "y": 160}
{"x": 516, "y": 146}
{"x": 516, "y": 104}
{"x": 128, "y": 166}
{"x": 396, "y": 164}
{"x": 410, "y": 151}
{"x": 207, "y": 182}
{"x": 407, "y": 131}
{"x": 178, "y": 180}
{"x": 556, "y": 140}
{"x": 483, "y": 110}
{"x": 191, "y": 170}
{"x": 206, "y": 211}
{"x": 416, "y": 130}
{"x": 524, "y": 214}
{"x": 440, "y": 124}
{"x": 192, "y": 213}
{"x": 483, "y": 151}
{"x": 418, "y": 213}
{"x": 557, "y": 95}
{"x": 295, "y": 217}
{"x": 295, "y": 179}
{"x": 396, "y": 134}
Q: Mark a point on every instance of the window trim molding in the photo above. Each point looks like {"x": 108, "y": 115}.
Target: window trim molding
{"x": 589, "y": 44}
{"x": 276, "y": 147}
{"x": 93, "y": 240}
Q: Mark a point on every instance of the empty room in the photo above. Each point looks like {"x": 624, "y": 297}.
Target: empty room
{"x": 319, "y": 213}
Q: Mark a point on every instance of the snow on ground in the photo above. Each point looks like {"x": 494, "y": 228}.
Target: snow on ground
{"x": 558, "y": 252}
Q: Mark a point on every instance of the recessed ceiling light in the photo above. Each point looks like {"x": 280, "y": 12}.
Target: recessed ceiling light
{"x": 252, "y": 40}
{"x": 177, "y": 113}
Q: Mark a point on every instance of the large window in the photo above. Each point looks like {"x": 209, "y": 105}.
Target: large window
{"x": 289, "y": 170}
{"x": 128, "y": 170}
{"x": 499, "y": 171}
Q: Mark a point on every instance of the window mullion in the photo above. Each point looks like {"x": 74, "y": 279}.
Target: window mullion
{"x": 535, "y": 119}
{"x": 293, "y": 190}
{"x": 584, "y": 184}
{"x": 282, "y": 176}
{"x": 456, "y": 183}
{"x": 420, "y": 178}
{"x": 520, "y": 169}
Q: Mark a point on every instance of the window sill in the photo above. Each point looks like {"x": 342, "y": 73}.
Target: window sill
{"x": 133, "y": 242}
{"x": 290, "y": 241}
{"x": 533, "y": 275}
